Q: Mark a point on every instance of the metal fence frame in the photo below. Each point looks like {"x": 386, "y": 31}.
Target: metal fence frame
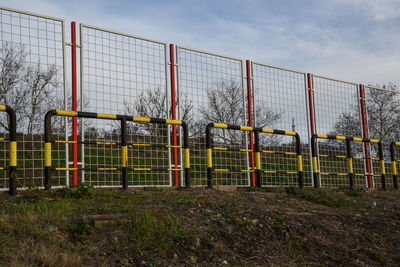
{"x": 179, "y": 59}
{"x": 209, "y": 149}
{"x": 317, "y": 90}
{"x": 349, "y": 157}
{"x": 257, "y": 152}
{"x": 394, "y": 161}
{"x": 171, "y": 77}
{"x": 42, "y": 42}
{"x": 167, "y": 84}
{"x": 123, "y": 144}
{"x": 286, "y": 78}
{"x": 12, "y": 166}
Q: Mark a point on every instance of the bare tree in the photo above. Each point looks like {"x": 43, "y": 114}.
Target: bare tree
{"x": 152, "y": 103}
{"x": 27, "y": 88}
{"x": 225, "y": 105}
{"x": 40, "y": 84}
{"x": 384, "y": 113}
{"x": 383, "y": 117}
{"x": 12, "y": 75}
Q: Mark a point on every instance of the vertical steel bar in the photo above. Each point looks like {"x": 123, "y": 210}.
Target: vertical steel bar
{"x": 382, "y": 163}
{"x": 299, "y": 161}
{"x": 250, "y": 122}
{"x": 65, "y": 102}
{"x": 349, "y": 163}
{"x": 82, "y": 96}
{"x": 311, "y": 104}
{"x": 365, "y": 135}
{"x": 173, "y": 108}
{"x": 209, "y": 155}
{"x": 314, "y": 154}
{"x": 124, "y": 154}
{"x": 74, "y": 104}
{"x": 257, "y": 157}
{"x": 12, "y": 126}
{"x": 187, "y": 153}
{"x": 316, "y": 178}
{"x": 394, "y": 169}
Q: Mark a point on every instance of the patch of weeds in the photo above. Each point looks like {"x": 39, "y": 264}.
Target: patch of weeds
{"x": 370, "y": 239}
{"x": 149, "y": 235}
{"x": 374, "y": 255}
{"x": 81, "y": 229}
{"x": 65, "y": 192}
{"x": 357, "y": 192}
{"x": 323, "y": 197}
{"x": 153, "y": 189}
{"x": 188, "y": 201}
{"x": 243, "y": 223}
{"x": 279, "y": 223}
{"x": 277, "y": 190}
{"x": 35, "y": 194}
{"x": 316, "y": 225}
{"x": 84, "y": 190}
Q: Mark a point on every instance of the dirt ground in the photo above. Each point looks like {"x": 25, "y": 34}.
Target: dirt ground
{"x": 201, "y": 227}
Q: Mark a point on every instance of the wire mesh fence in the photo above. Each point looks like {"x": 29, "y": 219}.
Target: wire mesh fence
{"x": 210, "y": 89}
{"x": 280, "y": 102}
{"x": 383, "y": 114}
{"x": 33, "y": 80}
{"x": 125, "y": 74}
{"x": 337, "y": 112}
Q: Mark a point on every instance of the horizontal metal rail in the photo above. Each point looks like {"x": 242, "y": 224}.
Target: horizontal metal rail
{"x": 257, "y": 151}
{"x": 12, "y": 128}
{"x": 124, "y": 145}
{"x": 349, "y": 156}
{"x": 394, "y": 160}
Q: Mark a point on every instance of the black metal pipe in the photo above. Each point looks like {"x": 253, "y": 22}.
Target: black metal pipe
{"x": 209, "y": 154}
{"x": 382, "y": 162}
{"x": 393, "y": 159}
{"x": 12, "y": 127}
{"x": 350, "y": 163}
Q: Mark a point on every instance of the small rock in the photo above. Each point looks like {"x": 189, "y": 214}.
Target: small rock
{"x": 255, "y": 221}
{"x": 193, "y": 259}
{"x": 207, "y": 211}
{"x": 52, "y": 228}
{"x": 197, "y": 243}
{"x": 225, "y": 262}
{"x": 373, "y": 204}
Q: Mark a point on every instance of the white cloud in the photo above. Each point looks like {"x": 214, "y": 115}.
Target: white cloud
{"x": 351, "y": 52}
{"x": 379, "y": 10}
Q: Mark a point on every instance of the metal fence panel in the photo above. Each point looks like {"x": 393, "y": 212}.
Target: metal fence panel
{"x": 280, "y": 102}
{"x": 337, "y": 112}
{"x": 210, "y": 89}
{"x": 383, "y": 123}
{"x": 125, "y": 74}
{"x": 32, "y": 66}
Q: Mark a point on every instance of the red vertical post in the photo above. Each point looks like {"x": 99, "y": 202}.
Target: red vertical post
{"x": 250, "y": 122}
{"x": 173, "y": 108}
{"x": 310, "y": 102}
{"x": 74, "y": 104}
{"x": 365, "y": 133}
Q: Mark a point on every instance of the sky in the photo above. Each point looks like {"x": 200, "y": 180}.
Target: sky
{"x": 352, "y": 40}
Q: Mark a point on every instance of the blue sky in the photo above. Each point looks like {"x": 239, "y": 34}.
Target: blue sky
{"x": 355, "y": 40}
